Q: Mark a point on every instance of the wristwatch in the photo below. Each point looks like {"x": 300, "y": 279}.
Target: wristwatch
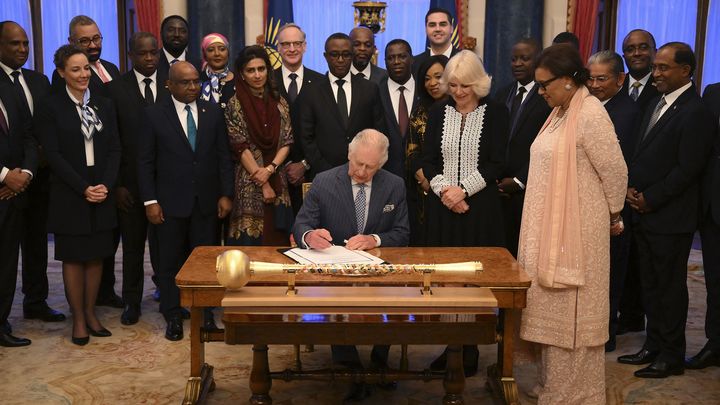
{"x": 305, "y": 164}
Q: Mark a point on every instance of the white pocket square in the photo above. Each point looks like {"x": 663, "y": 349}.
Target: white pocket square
{"x": 388, "y": 208}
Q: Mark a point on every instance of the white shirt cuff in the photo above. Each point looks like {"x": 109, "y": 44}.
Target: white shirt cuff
{"x": 28, "y": 172}
{"x": 519, "y": 183}
{"x": 151, "y": 202}
{"x": 302, "y": 239}
{"x": 378, "y": 242}
{"x": 3, "y": 173}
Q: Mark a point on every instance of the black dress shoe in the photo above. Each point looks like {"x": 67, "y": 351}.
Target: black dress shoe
{"x": 131, "y": 314}
{"x": 705, "y": 358}
{"x": 358, "y": 392}
{"x": 110, "y": 300}
{"x": 610, "y": 345}
{"x": 99, "y": 333}
{"x": 184, "y": 313}
{"x": 644, "y": 356}
{"x": 156, "y": 295}
{"x": 43, "y": 313}
{"x": 174, "y": 330}
{"x": 80, "y": 341}
{"x": 8, "y": 340}
{"x": 660, "y": 369}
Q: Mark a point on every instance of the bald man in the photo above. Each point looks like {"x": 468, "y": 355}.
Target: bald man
{"x": 363, "y": 46}
{"x": 185, "y": 177}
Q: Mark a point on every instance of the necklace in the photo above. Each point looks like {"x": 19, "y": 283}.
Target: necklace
{"x": 556, "y": 122}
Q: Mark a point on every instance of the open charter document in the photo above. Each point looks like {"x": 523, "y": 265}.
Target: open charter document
{"x": 332, "y": 255}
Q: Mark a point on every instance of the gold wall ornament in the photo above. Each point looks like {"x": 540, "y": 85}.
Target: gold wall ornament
{"x": 370, "y": 14}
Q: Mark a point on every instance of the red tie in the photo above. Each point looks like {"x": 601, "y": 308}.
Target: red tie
{"x": 101, "y": 72}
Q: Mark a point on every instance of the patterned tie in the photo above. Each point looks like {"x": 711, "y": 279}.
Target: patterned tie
{"x": 635, "y": 92}
{"x": 403, "y": 116}
{"x": 655, "y": 116}
{"x": 293, "y": 88}
{"x": 360, "y": 207}
{"x": 101, "y": 72}
{"x": 149, "y": 98}
{"x": 191, "y": 127}
{"x": 19, "y": 88}
{"x": 342, "y": 103}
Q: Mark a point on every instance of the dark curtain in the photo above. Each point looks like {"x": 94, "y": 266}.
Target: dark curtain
{"x": 221, "y": 16}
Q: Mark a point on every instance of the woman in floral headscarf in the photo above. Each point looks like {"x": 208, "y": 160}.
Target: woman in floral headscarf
{"x": 218, "y": 83}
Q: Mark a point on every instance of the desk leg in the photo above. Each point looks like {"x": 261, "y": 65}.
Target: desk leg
{"x": 260, "y": 381}
{"x": 500, "y": 375}
{"x": 454, "y": 381}
{"x": 201, "y": 374}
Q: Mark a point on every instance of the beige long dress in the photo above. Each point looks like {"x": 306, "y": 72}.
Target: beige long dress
{"x": 571, "y": 324}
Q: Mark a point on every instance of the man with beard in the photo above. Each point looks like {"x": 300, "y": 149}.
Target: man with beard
{"x": 85, "y": 33}
{"x": 528, "y": 112}
{"x": 174, "y": 32}
{"x": 363, "y": 44}
{"x": 439, "y": 29}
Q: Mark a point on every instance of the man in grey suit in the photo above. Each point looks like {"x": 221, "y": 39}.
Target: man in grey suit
{"x": 363, "y": 45}
{"x": 364, "y": 205}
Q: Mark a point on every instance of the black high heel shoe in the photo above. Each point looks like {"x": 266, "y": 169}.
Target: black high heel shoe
{"x": 99, "y": 333}
{"x": 80, "y": 341}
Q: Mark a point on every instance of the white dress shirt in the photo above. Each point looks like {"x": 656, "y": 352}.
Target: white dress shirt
{"x": 182, "y": 114}
{"x": 367, "y": 71}
{"x": 170, "y": 58}
{"x": 89, "y": 145}
{"x": 299, "y": 79}
{"x": 99, "y": 66}
{"x": 26, "y": 89}
{"x": 528, "y": 88}
{"x": 153, "y": 85}
{"x": 670, "y": 98}
{"x": 394, "y": 89}
{"x": 347, "y": 87}
{"x": 643, "y": 83}
{"x": 447, "y": 52}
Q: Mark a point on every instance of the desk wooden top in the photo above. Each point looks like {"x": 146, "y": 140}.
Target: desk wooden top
{"x": 500, "y": 270}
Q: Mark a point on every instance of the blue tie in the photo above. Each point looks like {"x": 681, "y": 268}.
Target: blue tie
{"x": 191, "y": 127}
{"x": 360, "y": 208}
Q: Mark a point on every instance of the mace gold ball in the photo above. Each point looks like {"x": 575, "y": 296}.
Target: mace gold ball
{"x": 233, "y": 269}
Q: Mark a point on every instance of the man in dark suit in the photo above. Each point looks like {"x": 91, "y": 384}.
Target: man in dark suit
{"x": 334, "y": 109}
{"x": 528, "y": 112}
{"x": 291, "y": 78}
{"x": 85, "y": 33}
{"x": 675, "y": 141}
{"x": 710, "y": 234}
{"x": 606, "y": 79}
{"x": 398, "y": 96}
{"x": 186, "y": 179}
{"x": 639, "y": 53}
{"x": 439, "y": 29}
{"x": 143, "y": 86}
{"x": 363, "y": 205}
{"x": 363, "y": 44}
{"x": 174, "y": 32}
{"x": 18, "y": 160}
{"x": 31, "y": 87}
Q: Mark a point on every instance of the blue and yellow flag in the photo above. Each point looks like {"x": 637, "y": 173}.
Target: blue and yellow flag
{"x": 279, "y": 13}
{"x": 448, "y": 5}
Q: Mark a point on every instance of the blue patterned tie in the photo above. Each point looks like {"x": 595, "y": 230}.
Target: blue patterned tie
{"x": 635, "y": 92}
{"x": 655, "y": 116}
{"x": 360, "y": 208}
{"x": 191, "y": 127}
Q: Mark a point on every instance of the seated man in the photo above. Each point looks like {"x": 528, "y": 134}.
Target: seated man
{"x": 360, "y": 204}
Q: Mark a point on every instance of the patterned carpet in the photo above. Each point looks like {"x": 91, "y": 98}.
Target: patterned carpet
{"x": 138, "y": 366}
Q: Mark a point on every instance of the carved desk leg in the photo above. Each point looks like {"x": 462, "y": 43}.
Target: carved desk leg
{"x": 201, "y": 379}
{"x": 454, "y": 381}
{"x": 500, "y": 375}
{"x": 260, "y": 381}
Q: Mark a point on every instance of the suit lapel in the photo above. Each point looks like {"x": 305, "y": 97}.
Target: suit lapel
{"x": 524, "y": 110}
{"x": 664, "y": 119}
{"x": 347, "y": 195}
{"x": 387, "y": 101}
{"x": 328, "y": 94}
{"x": 202, "y": 124}
{"x": 376, "y": 200}
{"x": 174, "y": 120}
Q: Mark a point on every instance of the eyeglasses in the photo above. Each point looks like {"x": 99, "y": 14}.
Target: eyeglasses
{"x": 97, "y": 40}
{"x": 338, "y": 55}
{"x": 663, "y": 68}
{"x": 543, "y": 85}
{"x": 633, "y": 48}
{"x": 599, "y": 79}
{"x": 293, "y": 44}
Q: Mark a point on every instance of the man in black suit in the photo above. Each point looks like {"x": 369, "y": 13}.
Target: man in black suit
{"x": 186, "y": 179}
{"x": 528, "y": 112}
{"x": 174, "y": 32}
{"x": 439, "y": 29}
{"x": 639, "y": 53}
{"x": 144, "y": 85}
{"x": 18, "y": 160}
{"x": 675, "y": 141}
{"x": 334, "y": 109}
{"x": 31, "y": 87}
{"x": 291, "y": 78}
{"x": 398, "y": 96}
{"x": 606, "y": 79}
{"x": 363, "y": 44}
{"x": 85, "y": 33}
{"x": 710, "y": 234}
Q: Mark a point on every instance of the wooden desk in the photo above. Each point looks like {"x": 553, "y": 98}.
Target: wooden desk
{"x": 199, "y": 288}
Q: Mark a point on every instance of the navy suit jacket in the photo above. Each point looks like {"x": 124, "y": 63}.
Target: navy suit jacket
{"x": 18, "y": 148}
{"x": 329, "y": 204}
{"x": 57, "y": 126}
{"x": 531, "y": 116}
{"x": 625, "y": 116}
{"x": 96, "y": 84}
{"x": 168, "y": 169}
{"x": 37, "y": 83}
{"x": 711, "y": 185}
{"x": 396, "y": 151}
{"x": 668, "y": 163}
{"x": 323, "y": 137}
